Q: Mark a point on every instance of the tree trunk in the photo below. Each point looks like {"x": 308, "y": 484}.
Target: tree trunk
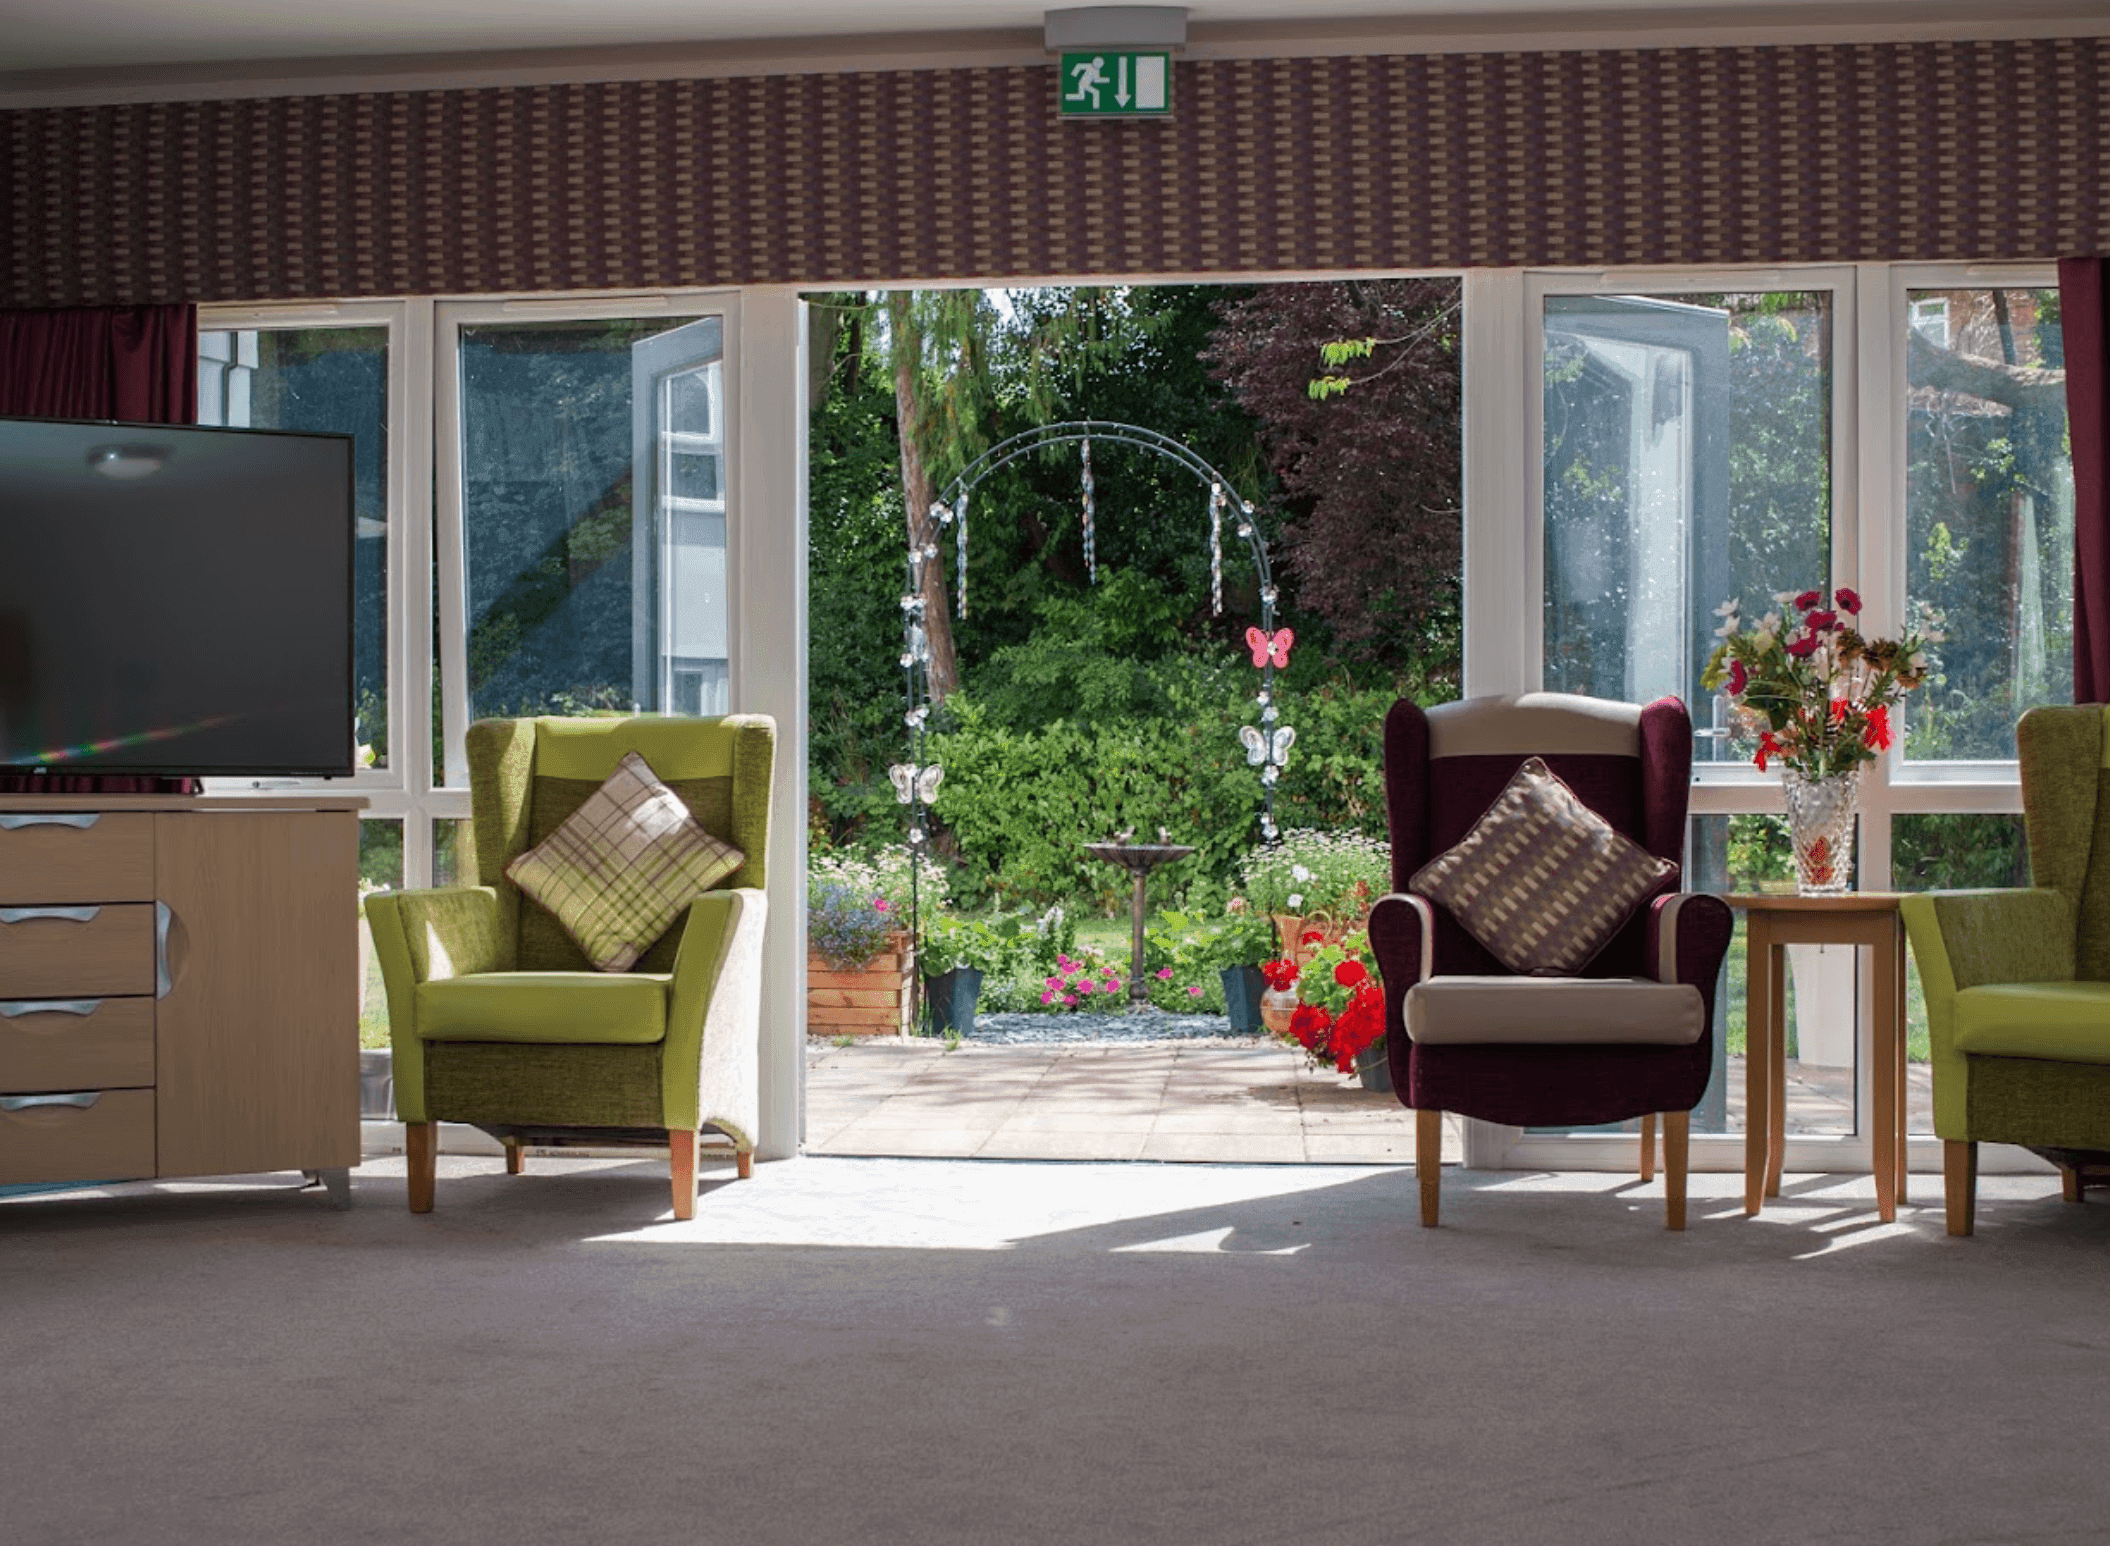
{"x": 916, "y": 494}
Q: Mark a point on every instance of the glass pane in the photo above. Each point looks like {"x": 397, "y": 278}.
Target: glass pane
{"x": 380, "y": 869}
{"x": 569, "y": 430}
{"x": 1687, "y": 460}
{"x": 1988, "y": 514}
{"x": 1934, "y": 853}
{"x": 453, "y": 859}
{"x": 323, "y": 379}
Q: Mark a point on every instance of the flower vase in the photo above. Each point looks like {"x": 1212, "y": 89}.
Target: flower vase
{"x": 1821, "y": 826}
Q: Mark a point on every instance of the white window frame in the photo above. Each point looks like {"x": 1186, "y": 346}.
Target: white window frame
{"x": 1504, "y": 642}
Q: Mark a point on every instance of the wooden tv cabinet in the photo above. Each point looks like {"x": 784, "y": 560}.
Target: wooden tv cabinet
{"x": 178, "y": 987}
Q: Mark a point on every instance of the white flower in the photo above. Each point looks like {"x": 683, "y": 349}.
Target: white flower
{"x": 1299, "y": 873}
{"x": 1783, "y": 597}
{"x": 1728, "y": 628}
{"x": 1729, "y": 607}
{"x": 1296, "y": 899}
{"x": 1917, "y": 661}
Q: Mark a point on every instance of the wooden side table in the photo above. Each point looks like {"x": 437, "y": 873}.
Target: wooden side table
{"x": 1772, "y": 923}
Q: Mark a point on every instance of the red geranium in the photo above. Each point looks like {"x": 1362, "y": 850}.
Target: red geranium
{"x": 1879, "y": 728}
{"x": 1349, "y": 973}
{"x": 1309, "y": 1025}
{"x": 1360, "y": 1027}
{"x": 1280, "y": 975}
{"x": 1849, "y": 601}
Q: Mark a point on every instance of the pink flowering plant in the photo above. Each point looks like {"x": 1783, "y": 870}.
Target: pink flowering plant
{"x": 1822, "y": 689}
{"x": 1085, "y": 981}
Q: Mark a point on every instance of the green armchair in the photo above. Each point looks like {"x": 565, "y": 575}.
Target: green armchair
{"x": 496, "y": 1016}
{"x": 2018, "y": 982}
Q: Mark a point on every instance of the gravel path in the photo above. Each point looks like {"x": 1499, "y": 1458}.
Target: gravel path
{"x": 1032, "y": 1029}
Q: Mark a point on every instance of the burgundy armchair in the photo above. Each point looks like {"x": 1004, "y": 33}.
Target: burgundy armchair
{"x": 1611, "y": 1043}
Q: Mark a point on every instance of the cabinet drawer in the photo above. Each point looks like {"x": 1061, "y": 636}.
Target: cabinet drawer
{"x": 84, "y": 952}
{"x": 109, "y": 1137}
{"x": 45, "y": 858}
{"x": 76, "y": 1044}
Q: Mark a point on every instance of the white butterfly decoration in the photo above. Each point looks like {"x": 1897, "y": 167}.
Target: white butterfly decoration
{"x": 914, "y": 783}
{"x": 1259, "y": 748}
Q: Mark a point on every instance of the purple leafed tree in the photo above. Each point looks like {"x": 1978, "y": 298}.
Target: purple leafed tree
{"x": 1370, "y": 462}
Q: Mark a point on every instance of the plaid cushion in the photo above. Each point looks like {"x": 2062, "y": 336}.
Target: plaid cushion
{"x": 624, "y": 866}
{"x": 1542, "y": 880}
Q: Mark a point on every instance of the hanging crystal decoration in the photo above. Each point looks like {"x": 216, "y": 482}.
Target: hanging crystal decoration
{"x": 959, "y": 511}
{"x": 1216, "y": 549}
{"x": 1091, "y": 535}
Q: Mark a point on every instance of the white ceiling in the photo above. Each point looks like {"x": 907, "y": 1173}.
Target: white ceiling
{"x": 41, "y": 35}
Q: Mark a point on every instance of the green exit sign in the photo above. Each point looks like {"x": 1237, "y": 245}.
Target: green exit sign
{"x": 1115, "y": 83}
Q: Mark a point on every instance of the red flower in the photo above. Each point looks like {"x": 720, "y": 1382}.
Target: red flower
{"x": 1280, "y": 975}
{"x": 1808, "y": 599}
{"x": 1806, "y": 645}
{"x": 1849, "y": 601}
{"x": 1360, "y": 1027}
{"x": 1309, "y": 1025}
{"x": 1768, "y": 745}
{"x": 1349, "y": 973}
{"x": 1879, "y": 728}
{"x": 1817, "y": 622}
{"x": 1739, "y": 678}
{"x": 1838, "y": 710}
{"x": 1311, "y": 937}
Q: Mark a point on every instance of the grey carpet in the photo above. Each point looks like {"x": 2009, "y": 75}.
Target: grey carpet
{"x": 931, "y": 1351}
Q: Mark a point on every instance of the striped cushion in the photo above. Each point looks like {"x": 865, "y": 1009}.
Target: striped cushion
{"x": 624, "y": 866}
{"x": 1542, "y": 880}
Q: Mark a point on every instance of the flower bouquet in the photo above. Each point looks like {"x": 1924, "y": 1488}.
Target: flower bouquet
{"x": 1824, "y": 689}
{"x": 1340, "y": 1007}
{"x": 1820, "y": 693}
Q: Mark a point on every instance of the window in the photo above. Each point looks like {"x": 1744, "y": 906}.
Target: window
{"x": 543, "y": 507}
{"x": 1988, "y": 515}
{"x": 1706, "y": 436}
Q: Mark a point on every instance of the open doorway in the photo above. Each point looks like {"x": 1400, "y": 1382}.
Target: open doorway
{"x": 1123, "y": 667}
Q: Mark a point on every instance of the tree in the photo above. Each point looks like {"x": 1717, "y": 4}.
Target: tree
{"x": 1375, "y": 540}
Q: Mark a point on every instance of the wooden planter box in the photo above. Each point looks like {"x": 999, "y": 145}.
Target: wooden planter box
{"x": 872, "y": 1001}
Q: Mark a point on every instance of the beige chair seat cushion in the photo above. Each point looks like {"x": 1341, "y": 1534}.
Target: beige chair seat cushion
{"x": 562, "y": 1007}
{"x": 1554, "y": 1011}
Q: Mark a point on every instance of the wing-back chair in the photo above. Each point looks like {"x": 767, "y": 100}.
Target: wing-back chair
{"x": 2018, "y": 982}
{"x": 497, "y": 1016}
{"x": 1540, "y": 965}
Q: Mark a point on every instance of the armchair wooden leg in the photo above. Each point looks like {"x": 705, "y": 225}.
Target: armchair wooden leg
{"x": 516, "y": 1157}
{"x": 1959, "y": 1173}
{"x": 1428, "y": 1162}
{"x": 1677, "y": 1134}
{"x": 421, "y": 1147}
{"x": 681, "y": 1150}
{"x": 1648, "y": 1147}
{"x": 745, "y": 1162}
{"x": 2070, "y": 1183}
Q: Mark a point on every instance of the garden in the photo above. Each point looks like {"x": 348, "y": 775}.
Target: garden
{"x": 1194, "y": 594}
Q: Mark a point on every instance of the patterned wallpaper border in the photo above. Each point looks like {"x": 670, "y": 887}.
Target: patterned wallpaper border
{"x": 1820, "y": 153}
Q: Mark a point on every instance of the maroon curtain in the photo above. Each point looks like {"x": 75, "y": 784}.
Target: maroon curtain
{"x": 138, "y": 364}
{"x": 2084, "y": 286}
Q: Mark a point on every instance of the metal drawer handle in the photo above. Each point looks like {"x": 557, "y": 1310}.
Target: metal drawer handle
{"x": 80, "y": 1101}
{"x": 15, "y": 1008}
{"x": 69, "y": 914}
{"x": 17, "y": 819}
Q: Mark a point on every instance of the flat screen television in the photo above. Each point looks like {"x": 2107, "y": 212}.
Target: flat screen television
{"x": 174, "y": 599}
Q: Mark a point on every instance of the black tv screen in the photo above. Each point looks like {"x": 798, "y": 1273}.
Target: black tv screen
{"x": 174, "y": 599}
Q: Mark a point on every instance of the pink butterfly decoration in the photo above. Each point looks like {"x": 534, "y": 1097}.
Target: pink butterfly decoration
{"x": 1266, "y": 649}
